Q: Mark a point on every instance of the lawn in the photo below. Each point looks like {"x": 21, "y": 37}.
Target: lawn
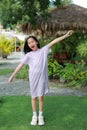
{"x": 61, "y": 113}
{"x": 5, "y": 71}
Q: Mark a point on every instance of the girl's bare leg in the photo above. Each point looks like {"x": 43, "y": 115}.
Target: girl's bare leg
{"x": 41, "y": 103}
{"x": 33, "y": 104}
{"x": 34, "y": 117}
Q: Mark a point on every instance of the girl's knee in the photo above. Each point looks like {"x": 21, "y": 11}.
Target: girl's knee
{"x": 33, "y": 99}
{"x": 40, "y": 98}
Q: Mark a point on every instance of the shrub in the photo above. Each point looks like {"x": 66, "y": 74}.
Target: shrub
{"x": 74, "y": 74}
{"x": 6, "y": 46}
{"x": 53, "y": 67}
{"x": 82, "y": 50}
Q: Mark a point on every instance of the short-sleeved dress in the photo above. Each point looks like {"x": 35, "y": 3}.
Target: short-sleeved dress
{"x": 38, "y": 71}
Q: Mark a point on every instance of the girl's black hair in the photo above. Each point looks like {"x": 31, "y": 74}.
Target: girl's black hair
{"x": 26, "y": 47}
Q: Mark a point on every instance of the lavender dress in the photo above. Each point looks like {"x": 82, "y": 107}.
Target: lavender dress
{"x": 38, "y": 72}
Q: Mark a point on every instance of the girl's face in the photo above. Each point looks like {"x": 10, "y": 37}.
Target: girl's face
{"x": 32, "y": 44}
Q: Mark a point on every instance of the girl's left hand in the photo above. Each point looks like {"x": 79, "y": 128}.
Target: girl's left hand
{"x": 69, "y": 33}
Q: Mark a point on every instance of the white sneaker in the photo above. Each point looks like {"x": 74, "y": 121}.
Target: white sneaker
{"x": 34, "y": 120}
{"x": 41, "y": 120}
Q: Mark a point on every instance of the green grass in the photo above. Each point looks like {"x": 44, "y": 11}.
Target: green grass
{"x": 61, "y": 113}
{"x": 23, "y": 73}
{"x": 5, "y": 71}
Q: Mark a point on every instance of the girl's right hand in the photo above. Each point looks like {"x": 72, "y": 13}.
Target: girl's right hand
{"x": 10, "y": 79}
{"x": 15, "y": 71}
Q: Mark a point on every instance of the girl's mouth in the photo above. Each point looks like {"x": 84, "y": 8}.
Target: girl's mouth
{"x": 32, "y": 47}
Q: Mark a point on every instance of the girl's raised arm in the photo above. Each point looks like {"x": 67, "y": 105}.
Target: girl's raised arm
{"x": 15, "y": 72}
{"x": 69, "y": 33}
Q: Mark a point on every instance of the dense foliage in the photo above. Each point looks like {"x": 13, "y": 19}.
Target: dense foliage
{"x": 13, "y": 12}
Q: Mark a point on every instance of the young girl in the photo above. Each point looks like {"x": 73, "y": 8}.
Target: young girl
{"x": 36, "y": 58}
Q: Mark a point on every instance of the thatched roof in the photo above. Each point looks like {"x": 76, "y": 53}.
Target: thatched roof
{"x": 69, "y": 17}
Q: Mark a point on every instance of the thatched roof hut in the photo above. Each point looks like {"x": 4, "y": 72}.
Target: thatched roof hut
{"x": 65, "y": 18}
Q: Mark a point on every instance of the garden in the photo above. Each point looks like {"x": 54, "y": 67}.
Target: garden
{"x": 67, "y": 61}
{"x": 65, "y": 112}
{"x": 15, "y": 111}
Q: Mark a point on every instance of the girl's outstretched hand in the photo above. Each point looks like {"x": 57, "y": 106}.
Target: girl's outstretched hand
{"x": 55, "y": 41}
{"x": 10, "y": 79}
{"x": 69, "y": 33}
{"x": 15, "y": 71}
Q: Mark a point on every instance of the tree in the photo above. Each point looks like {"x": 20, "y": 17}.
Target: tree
{"x": 60, "y": 3}
{"x": 10, "y": 12}
{"x": 19, "y": 11}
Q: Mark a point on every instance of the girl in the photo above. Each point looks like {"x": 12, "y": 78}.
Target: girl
{"x": 36, "y": 58}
